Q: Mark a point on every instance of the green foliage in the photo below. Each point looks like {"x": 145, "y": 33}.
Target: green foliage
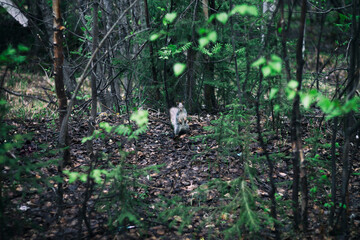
{"x": 332, "y": 108}
{"x": 245, "y": 10}
{"x": 238, "y": 213}
{"x": 13, "y": 56}
{"x": 20, "y": 175}
{"x": 140, "y": 118}
{"x": 227, "y": 129}
{"x": 271, "y": 67}
{"x": 210, "y": 37}
{"x": 169, "y": 18}
{"x": 179, "y": 68}
{"x": 121, "y": 200}
{"x": 172, "y": 50}
{"x": 175, "y": 213}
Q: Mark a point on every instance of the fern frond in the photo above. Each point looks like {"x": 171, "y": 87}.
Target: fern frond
{"x": 228, "y": 48}
{"x": 186, "y": 46}
{"x": 216, "y": 48}
{"x": 205, "y": 51}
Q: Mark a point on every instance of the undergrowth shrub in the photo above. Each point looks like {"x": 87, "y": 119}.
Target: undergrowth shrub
{"x": 238, "y": 211}
{"x": 120, "y": 195}
{"x": 21, "y": 177}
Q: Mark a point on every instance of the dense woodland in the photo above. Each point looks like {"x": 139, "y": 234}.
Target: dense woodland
{"x": 269, "y": 98}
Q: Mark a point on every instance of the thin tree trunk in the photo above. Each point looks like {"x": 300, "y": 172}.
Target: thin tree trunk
{"x": 115, "y": 89}
{"x": 300, "y": 175}
{"x": 235, "y": 57}
{"x": 190, "y": 80}
{"x": 283, "y": 41}
{"x": 91, "y": 122}
{"x": 68, "y": 81}
{"x": 353, "y": 79}
{"x": 209, "y": 90}
{"x": 333, "y": 171}
{"x": 318, "y": 50}
{"x": 64, "y": 125}
{"x": 268, "y": 160}
{"x": 60, "y": 93}
{"x": 95, "y": 37}
{"x": 152, "y": 57}
{"x": 190, "y": 83}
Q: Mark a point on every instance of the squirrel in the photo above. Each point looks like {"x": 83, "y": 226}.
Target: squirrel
{"x": 178, "y": 117}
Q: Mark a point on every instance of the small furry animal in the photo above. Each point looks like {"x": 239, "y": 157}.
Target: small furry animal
{"x": 178, "y": 117}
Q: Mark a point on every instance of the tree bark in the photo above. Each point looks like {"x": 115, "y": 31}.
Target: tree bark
{"x": 152, "y": 57}
{"x": 283, "y": 41}
{"x": 190, "y": 81}
{"x": 47, "y": 17}
{"x": 60, "y": 93}
{"x": 58, "y": 71}
{"x": 209, "y": 90}
{"x": 353, "y": 82}
{"x": 299, "y": 168}
{"x": 64, "y": 125}
{"x": 268, "y": 160}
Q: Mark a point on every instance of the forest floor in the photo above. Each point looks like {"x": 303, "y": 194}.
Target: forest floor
{"x": 186, "y": 165}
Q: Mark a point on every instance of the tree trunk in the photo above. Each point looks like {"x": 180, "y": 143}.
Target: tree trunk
{"x": 268, "y": 160}
{"x": 235, "y": 57}
{"x": 115, "y": 88}
{"x": 58, "y": 71}
{"x": 47, "y": 16}
{"x": 283, "y": 41}
{"x": 95, "y": 37}
{"x": 209, "y": 90}
{"x": 318, "y": 50}
{"x": 190, "y": 81}
{"x": 353, "y": 82}
{"x": 60, "y": 93}
{"x": 300, "y": 175}
{"x": 152, "y": 57}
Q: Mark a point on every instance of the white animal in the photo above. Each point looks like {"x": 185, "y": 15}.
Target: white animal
{"x": 178, "y": 117}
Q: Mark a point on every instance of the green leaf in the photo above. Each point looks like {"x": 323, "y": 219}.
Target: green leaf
{"x": 252, "y": 10}
{"x": 241, "y": 9}
{"x": 275, "y": 58}
{"x": 324, "y": 177}
{"x": 275, "y": 66}
{"x": 313, "y": 190}
{"x": 83, "y": 177}
{"x": 140, "y": 117}
{"x": 325, "y": 105}
{"x": 72, "y": 175}
{"x": 222, "y": 17}
{"x": 212, "y": 36}
{"x": 259, "y": 62}
{"x": 293, "y": 84}
{"x": 96, "y": 175}
{"x": 306, "y": 100}
{"x": 154, "y": 36}
{"x": 179, "y": 68}
{"x": 273, "y": 92}
{"x": 202, "y": 31}
{"x": 85, "y": 139}
{"x": 244, "y": 9}
{"x": 203, "y": 42}
{"x": 276, "y": 108}
{"x": 266, "y": 70}
{"x": 106, "y": 126}
{"x": 290, "y": 94}
{"x": 23, "y": 48}
{"x": 169, "y": 18}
